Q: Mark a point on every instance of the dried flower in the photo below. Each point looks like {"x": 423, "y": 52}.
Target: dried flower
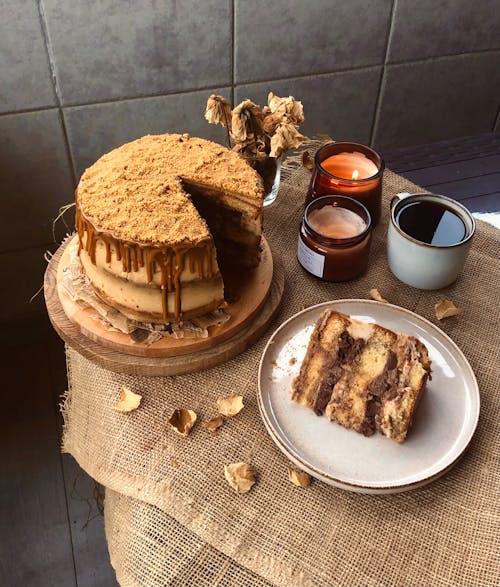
{"x": 240, "y": 476}
{"x": 182, "y": 421}
{"x": 231, "y": 405}
{"x": 445, "y": 309}
{"x": 299, "y": 478}
{"x": 129, "y": 400}
{"x": 246, "y": 121}
{"x": 218, "y": 111}
{"x": 214, "y": 424}
{"x": 375, "y": 295}
{"x": 288, "y": 108}
{"x": 285, "y": 138}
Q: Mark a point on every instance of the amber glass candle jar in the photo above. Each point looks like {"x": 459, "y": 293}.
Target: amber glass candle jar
{"x": 334, "y": 238}
{"x": 352, "y": 170}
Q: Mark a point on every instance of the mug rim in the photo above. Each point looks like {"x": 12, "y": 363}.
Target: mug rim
{"x": 462, "y": 208}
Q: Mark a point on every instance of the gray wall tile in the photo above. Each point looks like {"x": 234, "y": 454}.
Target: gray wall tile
{"x": 287, "y": 38}
{"x": 35, "y": 178}
{"x": 23, "y": 271}
{"x": 25, "y": 78}
{"x": 440, "y": 99}
{"x": 429, "y": 28}
{"x": 96, "y": 129}
{"x": 341, "y": 104}
{"x": 125, "y": 49}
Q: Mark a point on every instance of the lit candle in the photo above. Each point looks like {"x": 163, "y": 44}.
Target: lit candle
{"x": 350, "y": 170}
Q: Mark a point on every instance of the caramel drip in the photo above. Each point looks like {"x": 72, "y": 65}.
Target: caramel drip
{"x": 108, "y": 251}
{"x": 170, "y": 261}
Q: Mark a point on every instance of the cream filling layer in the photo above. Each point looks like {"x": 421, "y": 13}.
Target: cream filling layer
{"x": 147, "y": 298}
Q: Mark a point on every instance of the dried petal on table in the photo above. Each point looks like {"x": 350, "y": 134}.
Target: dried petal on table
{"x": 129, "y": 400}
{"x": 240, "y": 476}
{"x": 375, "y": 295}
{"x": 182, "y": 421}
{"x": 230, "y": 406}
{"x": 214, "y": 424}
{"x": 299, "y": 478}
{"x": 445, "y": 309}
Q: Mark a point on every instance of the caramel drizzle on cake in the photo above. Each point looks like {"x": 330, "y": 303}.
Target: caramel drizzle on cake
{"x": 362, "y": 376}
{"x": 169, "y": 260}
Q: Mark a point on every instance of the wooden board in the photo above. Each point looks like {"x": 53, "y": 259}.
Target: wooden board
{"x": 251, "y": 327}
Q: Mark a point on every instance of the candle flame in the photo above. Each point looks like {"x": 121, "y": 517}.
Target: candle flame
{"x": 355, "y": 174}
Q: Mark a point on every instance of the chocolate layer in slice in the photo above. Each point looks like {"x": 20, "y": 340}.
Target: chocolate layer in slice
{"x": 362, "y": 376}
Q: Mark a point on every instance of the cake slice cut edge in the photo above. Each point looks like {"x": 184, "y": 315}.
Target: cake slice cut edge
{"x": 362, "y": 376}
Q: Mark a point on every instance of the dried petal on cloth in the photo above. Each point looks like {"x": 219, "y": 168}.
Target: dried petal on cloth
{"x": 214, "y": 424}
{"x": 307, "y": 160}
{"x": 218, "y": 111}
{"x": 446, "y": 309}
{"x": 240, "y": 476}
{"x": 246, "y": 121}
{"x": 129, "y": 400}
{"x": 182, "y": 421}
{"x": 299, "y": 478}
{"x": 290, "y": 109}
{"x": 231, "y": 405}
{"x": 285, "y": 138}
{"x": 375, "y": 295}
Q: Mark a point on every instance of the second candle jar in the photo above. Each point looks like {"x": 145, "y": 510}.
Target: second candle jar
{"x": 334, "y": 238}
{"x": 352, "y": 170}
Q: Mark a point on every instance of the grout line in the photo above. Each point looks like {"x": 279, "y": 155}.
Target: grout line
{"x": 308, "y": 76}
{"x": 443, "y": 57}
{"x": 28, "y": 110}
{"x": 381, "y": 88}
{"x": 233, "y": 49}
{"x": 48, "y": 49}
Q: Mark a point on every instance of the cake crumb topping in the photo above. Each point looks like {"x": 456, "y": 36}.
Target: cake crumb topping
{"x": 135, "y": 191}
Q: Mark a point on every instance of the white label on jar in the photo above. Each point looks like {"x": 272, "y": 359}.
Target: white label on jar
{"x": 310, "y": 260}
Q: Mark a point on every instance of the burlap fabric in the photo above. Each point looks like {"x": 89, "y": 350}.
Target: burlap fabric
{"x": 172, "y": 519}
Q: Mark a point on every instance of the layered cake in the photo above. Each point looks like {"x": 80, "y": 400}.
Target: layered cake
{"x": 362, "y": 376}
{"x": 156, "y": 216}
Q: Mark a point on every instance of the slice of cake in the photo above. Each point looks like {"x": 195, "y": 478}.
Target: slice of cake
{"x": 154, "y": 218}
{"x": 362, "y": 376}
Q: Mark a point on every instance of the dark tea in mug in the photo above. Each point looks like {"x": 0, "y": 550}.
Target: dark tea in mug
{"x": 432, "y": 223}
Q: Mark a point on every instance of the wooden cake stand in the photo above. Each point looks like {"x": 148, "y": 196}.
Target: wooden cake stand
{"x": 255, "y": 300}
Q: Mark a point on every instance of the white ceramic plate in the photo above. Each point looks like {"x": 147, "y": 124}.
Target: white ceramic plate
{"x": 443, "y": 426}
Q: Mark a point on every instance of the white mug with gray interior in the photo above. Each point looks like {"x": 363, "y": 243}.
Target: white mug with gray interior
{"x": 428, "y": 239}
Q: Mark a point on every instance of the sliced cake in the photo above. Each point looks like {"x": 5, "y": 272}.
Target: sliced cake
{"x": 155, "y": 216}
{"x": 362, "y": 376}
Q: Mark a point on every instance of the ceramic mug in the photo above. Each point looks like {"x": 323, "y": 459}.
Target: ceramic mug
{"x": 425, "y": 265}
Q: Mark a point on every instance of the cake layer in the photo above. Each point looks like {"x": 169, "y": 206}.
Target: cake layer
{"x": 362, "y": 376}
{"x": 148, "y": 302}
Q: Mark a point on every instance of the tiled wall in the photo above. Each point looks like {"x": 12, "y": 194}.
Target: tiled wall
{"x": 80, "y": 77}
